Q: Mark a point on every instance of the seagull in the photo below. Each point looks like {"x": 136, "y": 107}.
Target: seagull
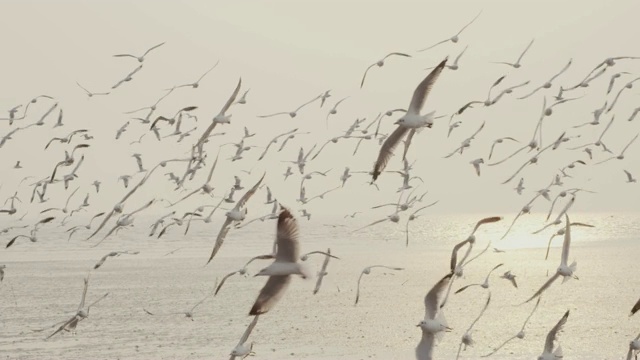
{"x": 413, "y": 216}
{"x": 189, "y": 313}
{"x": 139, "y": 58}
{"x": 285, "y": 265}
{"x": 113, "y": 254}
{"x": 561, "y": 232}
{"x": 548, "y": 84}
{"x": 548, "y": 353}
{"x": 564, "y": 270}
{"x": 487, "y": 102}
{"x": 293, "y": 113}
{"x": 243, "y": 98}
{"x": 393, "y": 218}
{"x": 196, "y": 84}
{"x": 411, "y": 122}
{"x": 242, "y": 350}
{"x": 302, "y": 159}
{"x": 467, "y": 340}
{"x": 484, "y": 285}
{"x": 81, "y": 314}
{"x": 476, "y": 164}
{"x": 621, "y": 156}
{"x": 221, "y": 118}
{"x": 613, "y": 80}
{"x": 630, "y": 178}
{"x": 234, "y": 215}
{"x": 274, "y": 141}
{"x": 434, "y": 322}
{"x": 520, "y": 334}
{"x": 323, "y": 271}
{"x": 517, "y": 64}
{"x": 454, "y": 66}
{"x": 127, "y": 78}
{"x": 454, "y": 39}
{"x": 466, "y": 142}
{"x": 500, "y": 141}
{"x": 334, "y": 110}
{"x": 628, "y": 85}
{"x": 634, "y": 113}
{"x": 122, "y": 129}
{"x": 367, "y": 271}
{"x": 380, "y": 63}
{"x": 91, "y": 94}
{"x": 511, "y": 277}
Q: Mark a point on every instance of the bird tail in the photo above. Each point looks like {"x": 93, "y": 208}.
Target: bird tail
{"x": 428, "y": 119}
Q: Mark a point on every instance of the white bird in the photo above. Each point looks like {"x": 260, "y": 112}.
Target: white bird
{"x": 434, "y": 322}
{"x": 414, "y": 216}
{"x": 127, "y": 78}
{"x": 476, "y": 164}
{"x": 561, "y": 232}
{"x": 564, "y": 270}
{"x": 484, "y": 285}
{"x": 238, "y": 213}
{"x": 367, "y": 271}
{"x": 345, "y": 176}
{"x": 140, "y": 58}
{"x": 334, "y": 110}
{"x": 113, "y": 254}
{"x": 292, "y": 113}
{"x": 628, "y": 85}
{"x": 81, "y": 314}
{"x": 196, "y": 83}
{"x": 285, "y": 264}
{"x": 634, "y": 113}
{"x": 548, "y": 84}
{"x": 454, "y": 39}
{"x": 288, "y": 173}
{"x": 243, "y": 98}
{"x": 613, "y": 80}
{"x": 242, "y": 350}
{"x": 323, "y": 271}
{"x": 393, "y": 218}
{"x": 520, "y": 186}
{"x": 467, "y": 339}
{"x": 91, "y": 94}
{"x": 630, "y": 178}
{"x": 517, "y": 64}
{"x": 411, "y": 122}
{"x": 221, "y": 118}
{"x": 549, "y": 353}
{"x": 453, "y": 66}
{"x": 500, "y": 141}
{"x": 466, "y": 142}
{"x": 380, "y": 63}
{"x": 621, "y": 156}
{"x": 520, "y": 334}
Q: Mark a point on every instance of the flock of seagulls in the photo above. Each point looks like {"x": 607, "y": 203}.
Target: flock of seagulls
{"x": 183, "y": 173}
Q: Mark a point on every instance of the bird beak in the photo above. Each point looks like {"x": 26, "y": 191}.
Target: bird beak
{"x": 448, "y": 329}
{"x": 397, "y": 122}
{"x": 429, "y": 126}
{"x": 418, "y": 325}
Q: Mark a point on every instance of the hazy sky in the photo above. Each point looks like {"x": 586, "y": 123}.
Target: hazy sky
{"x": 288, "y": 52}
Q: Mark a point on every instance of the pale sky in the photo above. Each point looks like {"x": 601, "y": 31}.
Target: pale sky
{"x": 288, "y": 52}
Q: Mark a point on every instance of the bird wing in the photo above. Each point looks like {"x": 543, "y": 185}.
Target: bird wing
{"x": 629, "y": 176}
{"x": 525, "y": 51}
{"x": 424, "y": 88}
{"x": 544, "y": 287}
{"x": 470, "y": 22}
{"x": 275, "y": 114}
{"x": 486, "y": 305}
{"x": 84, "y": 293}
{"x": 487, "y": 220}
{"x": 553, "y": 334}
{"x": 386, "y": 151}
{"x": 562, "y": 71}
{"x": 432, "y": 298}
{"x": 567, "y": 241}
{"x": 270, "y": 294}
{"x": 232, "y": 98}
{"x": 243, "y": 200}
{"x": 249, "y": 329}
{"x": 407, "y": 143}
{"x": 365, "y": 75}
{"x": 152, "y": 48}
{"x": 220, "y": 239}
{"x": 424, "y": 350}
{"x": 288, "y": 247}
{"x": 222, "y": 282}
{"x": 212, "y": 168}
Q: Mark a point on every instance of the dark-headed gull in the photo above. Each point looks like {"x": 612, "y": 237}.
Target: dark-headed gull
{"x": 434, "y": 322}
{"x": 411, "y": 122}
{"x": 517, "y": 64}
{"x": 140, "y": 58}
{"x": 380, "y": 63}
{"x": 454, "y": 39}
{"x": 285, "y": 264}
{"x": 367, "y": 271}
